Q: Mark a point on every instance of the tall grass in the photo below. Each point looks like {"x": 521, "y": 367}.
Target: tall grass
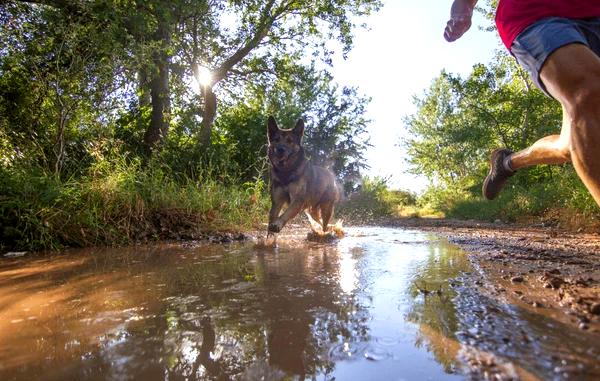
{"x": 120, "y": 203}
{"x": 373, "y": 201}
{"x": 561, "y": 200}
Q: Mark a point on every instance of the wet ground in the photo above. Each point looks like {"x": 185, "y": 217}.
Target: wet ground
{"x": 380, "y": 304}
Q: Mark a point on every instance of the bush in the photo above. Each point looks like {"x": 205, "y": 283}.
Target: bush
{"x": 120, "y": 203}
{"x": 520, "y": 200}
{"x": 374, "y": 199}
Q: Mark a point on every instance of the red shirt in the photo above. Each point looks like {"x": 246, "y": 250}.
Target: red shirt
{"x": 513, "y": 16}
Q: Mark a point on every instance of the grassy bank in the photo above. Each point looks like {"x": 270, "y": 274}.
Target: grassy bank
{"x": 120, "y": 204}
{"x": 560, "y": 201}
{"x": 117, "y": 204}
{"x": 374, "y": 201}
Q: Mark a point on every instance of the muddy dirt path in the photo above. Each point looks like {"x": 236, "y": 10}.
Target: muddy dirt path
{"x": 403, "y": 303}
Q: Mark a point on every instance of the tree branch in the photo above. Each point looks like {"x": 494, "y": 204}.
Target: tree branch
{"x": 263, "y": 28}
{"x": 70, "y": 6}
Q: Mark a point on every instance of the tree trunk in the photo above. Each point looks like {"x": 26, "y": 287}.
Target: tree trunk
{"x": 144, "y": 98}
{"x": 208, "y": 116}
{"x": 160, "y": 96}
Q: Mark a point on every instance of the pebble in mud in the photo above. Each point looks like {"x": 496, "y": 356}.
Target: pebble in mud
{"x": 595, "y": 308}
{"x": 551, "y": 281}
{"x": 517, "y": 279}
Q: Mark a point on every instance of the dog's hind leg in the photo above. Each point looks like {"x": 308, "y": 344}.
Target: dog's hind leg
{"x": 315, "y": 212}
{"x": 314, "y": 216}
{"x": 326, "y": 213}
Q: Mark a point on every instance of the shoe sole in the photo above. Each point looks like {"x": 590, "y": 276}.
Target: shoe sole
{"x": 487, "y": 179}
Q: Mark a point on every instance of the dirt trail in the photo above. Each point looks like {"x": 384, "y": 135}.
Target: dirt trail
{"x": 555, "y": 272}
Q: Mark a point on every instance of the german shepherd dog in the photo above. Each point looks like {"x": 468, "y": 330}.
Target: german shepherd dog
{"x": 295, "y": 181}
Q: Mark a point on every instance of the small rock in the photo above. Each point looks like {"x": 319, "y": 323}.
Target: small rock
{"x": 537, "y": 305}
{"x": 15, "y": 254}
{"x": 551, "y": 281}
{"x": 595, "y": 308}
{"x": 584, "y": 326}
{"x": 517, "y": 279}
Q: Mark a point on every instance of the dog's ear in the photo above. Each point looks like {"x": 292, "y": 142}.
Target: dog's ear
{"x": 299, "y": 129}
{"x": 272, "y": 128}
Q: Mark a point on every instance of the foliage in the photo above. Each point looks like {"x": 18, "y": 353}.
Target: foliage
{"x": 125, "y": 69}
{"x": 335, "y": 135}
{"x": 100, "y": 123}
{"x": 119, "y": 202}
{"x": 373, "y": 199}
{"x": 458, "y": 123}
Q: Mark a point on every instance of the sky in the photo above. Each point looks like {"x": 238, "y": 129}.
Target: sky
{"x": 396, "y": 58}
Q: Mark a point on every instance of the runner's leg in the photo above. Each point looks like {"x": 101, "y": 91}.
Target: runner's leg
{"x": 572, "y": 76}
{"x": 553, "y": 149}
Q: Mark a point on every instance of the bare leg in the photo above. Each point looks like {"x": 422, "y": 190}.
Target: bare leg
{"x": 572, "y": 75}
{"x": 553, "y": 149}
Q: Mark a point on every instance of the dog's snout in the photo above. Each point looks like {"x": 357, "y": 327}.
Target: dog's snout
{"x": 279, "y": 150}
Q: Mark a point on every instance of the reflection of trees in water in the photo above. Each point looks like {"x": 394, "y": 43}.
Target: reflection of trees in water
{"x": 432, "y": 307}
{"x": 240, "y": 315}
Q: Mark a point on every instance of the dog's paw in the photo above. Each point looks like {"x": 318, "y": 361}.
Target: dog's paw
{"x": 275, "y": 227}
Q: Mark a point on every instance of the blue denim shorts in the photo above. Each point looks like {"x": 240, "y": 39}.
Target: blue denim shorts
{"x": 534, "y": 45}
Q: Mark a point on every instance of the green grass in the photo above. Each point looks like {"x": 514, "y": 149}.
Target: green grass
{"x": 375, "y": 200}
{"x": 120, "y": 203}
{"x": 562, "y": 198}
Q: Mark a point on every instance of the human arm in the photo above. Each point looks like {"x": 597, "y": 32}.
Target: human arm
{"x": 461, "y": 13}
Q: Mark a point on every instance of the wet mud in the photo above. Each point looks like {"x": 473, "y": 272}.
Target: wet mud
{"x": 381, "y": 303}
{"x": 545, "y": 271}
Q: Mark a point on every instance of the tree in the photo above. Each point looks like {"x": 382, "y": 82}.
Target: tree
{"x": 128, "y": 67}
{"x": 460, "y": 121}
{"x": 56, "y": 81}
{"x": 261, "y": 32}
{"x": 335, "y": 134}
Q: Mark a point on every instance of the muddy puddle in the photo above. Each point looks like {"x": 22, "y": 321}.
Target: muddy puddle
{"x": 380, "y": 304}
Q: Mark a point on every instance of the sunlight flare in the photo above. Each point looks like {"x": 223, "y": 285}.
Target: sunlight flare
{"x": 203, "y": 76}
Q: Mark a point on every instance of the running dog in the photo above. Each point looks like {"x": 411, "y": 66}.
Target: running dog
{"x": 296, "y": 182}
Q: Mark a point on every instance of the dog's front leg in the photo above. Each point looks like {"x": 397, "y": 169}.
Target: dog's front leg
{"x": 273, "y": 217}
{"x": 279, "y": 197}
{"x": 296, "y": 206}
